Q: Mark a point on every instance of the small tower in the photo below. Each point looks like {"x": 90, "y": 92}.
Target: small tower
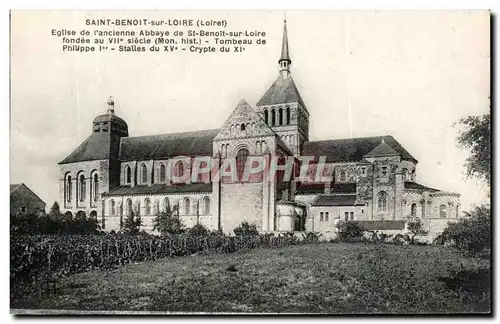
{"x": 284, "y": 60}
{"x": 111, "y": 106}
{"x": 282, "y": 107}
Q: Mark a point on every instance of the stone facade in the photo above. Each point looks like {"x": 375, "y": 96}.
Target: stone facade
{"x": 111, "y": 174}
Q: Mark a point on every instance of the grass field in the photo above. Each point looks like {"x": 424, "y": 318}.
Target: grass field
{"x": 323, "y": 278}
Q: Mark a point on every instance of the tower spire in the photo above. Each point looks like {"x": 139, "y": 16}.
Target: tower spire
{"x": 285, "y": 60}
{"x": 111, "y": 105}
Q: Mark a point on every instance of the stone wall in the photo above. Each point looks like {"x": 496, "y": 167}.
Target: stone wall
{"x": 102, "y": 168}
{"x": 157, "y": 204}
{"x": 241, "y": 202}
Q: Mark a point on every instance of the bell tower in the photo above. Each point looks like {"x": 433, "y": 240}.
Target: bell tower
{"x": 282, "y": 107}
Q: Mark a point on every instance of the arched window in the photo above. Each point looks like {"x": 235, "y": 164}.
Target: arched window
{"x": 382, "y": 201}
{"x": 414, "y": 209}
{"x": 187, "y": 205}
{"x": 266, "y": 116}
{"x": 162, "y": 172}
{"x": 273, "y": 117}
{"x": 82, "y": 187}
{"x": 242, "y": 127}
{"x": 405, "y": 174}
{"x": 80, "y": 215}
{"x": 166, "y": 204}
{"x": 241, "y": 158}
{"x": 129, "y": 207}
{"x": 147, "y": 204}
{"x": 96, "y": 187}
{"x": 179, "y": 169}
{"x": 144, "y": 173}
{"x": 288, "y": 115}
{"x": 93, "y": 214}
{"x": 413, "y": 175}
{"x": 112, "y": 208}
{"x": 206, "y": 206}
{"x": 128, "y": 172}
{"x": 442, "y": 211}
{"x": 69, "y": 186}
{"x": 280, "y": 116}
{"x": 343, "y": 176}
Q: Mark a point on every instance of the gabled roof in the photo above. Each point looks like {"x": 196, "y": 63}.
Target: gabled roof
{"x": 167, "y": 145}
{"x": 22, "y": 190}
{"x": 283, "y": 90}
{"x": 418, "y": 186}
{"x": 351, "y": 149}
{"x": 96, "y": 147}
{"x": 382, "y": 150}
{"x": 243, "y": 113}
{"x": 335, "y": 200}
{"x": 14, "y": 186}
{"x": 160, "y": 189}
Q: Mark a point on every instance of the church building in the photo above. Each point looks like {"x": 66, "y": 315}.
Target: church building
{"x": 111, "y": 174}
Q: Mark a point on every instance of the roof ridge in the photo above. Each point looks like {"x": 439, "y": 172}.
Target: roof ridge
{"x": 351, "y": 138}
{"x": 171, "y": 134}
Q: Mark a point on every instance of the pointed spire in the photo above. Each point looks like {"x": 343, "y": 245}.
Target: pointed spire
{"x": 284, "y": 46}
{"x": 284, "y": 60}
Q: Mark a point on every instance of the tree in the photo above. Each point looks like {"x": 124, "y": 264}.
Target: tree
{"x": 246, "y": 229}
{"x": 168, "y": 221}
{"x": 350, "y": 231}
{"x": 471, "y": 234}
{"x": 476, "y": 137}
{"x": 415, "y": 226}
{"x": 55, "y": 211}
{"x": 132, "y": 224}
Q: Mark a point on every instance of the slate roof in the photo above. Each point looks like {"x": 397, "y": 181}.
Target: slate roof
{"x": 382, "y": 150}
{"x": 319, "y": 188}
{"x": 283, "y": 90}
{"x": 414, "y": 185}
{"x": 335, "y": 200}
{"x": 14, "y": 186}
{"x": 167, "y": 145}
{"x": 27, "y": 191}
{"x": 160, "y": 189}
{"x": 96, "y": 147}
{"x": 310, "y": 188}
{"x": 352, "y": 149}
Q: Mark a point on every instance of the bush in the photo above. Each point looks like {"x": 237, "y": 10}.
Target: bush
{"x": 414, "y": 225}
{"x": 198, "y": 230}
{"x": 168, "y": 221}
{"x": 350, "y": 231}
{"x": 132, "y": 224}
{"x": 246, "y": 229}
{"x": 471, "y": 234}
{"x": 52, "y": 224}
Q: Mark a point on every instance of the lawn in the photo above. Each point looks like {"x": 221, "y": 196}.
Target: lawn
{"x": 314, "y": 278}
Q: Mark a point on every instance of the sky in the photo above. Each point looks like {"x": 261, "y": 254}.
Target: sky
{"x": 409, "y": 74}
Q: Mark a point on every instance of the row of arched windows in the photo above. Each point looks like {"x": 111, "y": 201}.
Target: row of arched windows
{"x": 162, "y": 170}
{"x": 443, "y": 210}
{"x": 241, "y": 129}
{"x": 81, "y": 187}
{"x": 202, "y": 207}
{"x": 288, "y": 139}
{"x": 277, "y": 117}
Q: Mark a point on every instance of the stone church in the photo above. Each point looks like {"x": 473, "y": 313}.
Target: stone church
{"x": 373, "y": 179}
